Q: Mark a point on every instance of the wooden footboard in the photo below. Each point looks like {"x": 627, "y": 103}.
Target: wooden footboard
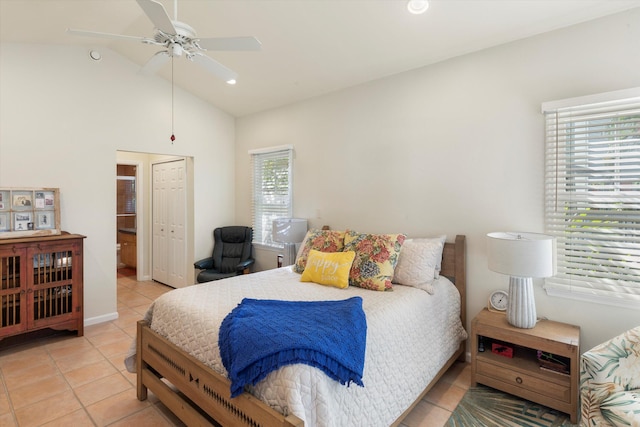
{"x": 196, "y": 394}
{"x": 199, "y": 396}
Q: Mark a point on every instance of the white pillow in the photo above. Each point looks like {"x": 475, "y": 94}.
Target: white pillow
{"x": 442, "y": 239}
{"x": 419, "y": 263}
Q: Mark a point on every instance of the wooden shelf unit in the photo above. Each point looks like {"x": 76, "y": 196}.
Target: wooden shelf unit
{"x": 41, "y": 284}
{"x": 522, "y": 375}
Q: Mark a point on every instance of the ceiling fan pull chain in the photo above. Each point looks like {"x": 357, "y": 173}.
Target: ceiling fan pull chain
{"x": 173, "y": 136}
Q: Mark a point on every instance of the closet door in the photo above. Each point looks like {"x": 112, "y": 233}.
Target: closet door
{"x": 168, "y": 216}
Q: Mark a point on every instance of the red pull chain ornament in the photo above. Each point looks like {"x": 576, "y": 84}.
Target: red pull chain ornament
{"x": 173, "y": 138}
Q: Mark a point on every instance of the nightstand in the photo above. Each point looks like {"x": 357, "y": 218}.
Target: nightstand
{"x": 521, "y": 374}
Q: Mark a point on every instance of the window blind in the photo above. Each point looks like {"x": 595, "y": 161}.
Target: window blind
{"x": 592, "y": 199}
{"x": 272, "y": 191}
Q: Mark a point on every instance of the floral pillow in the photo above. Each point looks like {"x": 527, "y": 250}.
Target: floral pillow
{"x": 376, "y": 259}
{"x": 320, "y": 240}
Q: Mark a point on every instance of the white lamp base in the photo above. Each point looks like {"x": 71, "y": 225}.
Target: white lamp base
{"x": 521, "y": 308}
{"x": 289, "y": 253}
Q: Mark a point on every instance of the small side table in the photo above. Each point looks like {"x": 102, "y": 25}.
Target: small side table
{"x": 521, "y": 374}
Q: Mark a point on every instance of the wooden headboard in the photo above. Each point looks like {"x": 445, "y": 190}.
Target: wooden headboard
{"x": 454, "y": 267}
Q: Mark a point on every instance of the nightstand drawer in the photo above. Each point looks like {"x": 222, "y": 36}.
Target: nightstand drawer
{"x": 521, "y": 380}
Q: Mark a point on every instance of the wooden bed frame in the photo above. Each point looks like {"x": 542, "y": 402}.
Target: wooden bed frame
{"x": 200, "y": 396}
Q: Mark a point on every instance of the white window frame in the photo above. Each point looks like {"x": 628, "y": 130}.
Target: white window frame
{"x": 592, "y": 196}
{"x": 275, "y": 201}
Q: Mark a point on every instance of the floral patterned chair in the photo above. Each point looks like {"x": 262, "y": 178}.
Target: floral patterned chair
{"x": 610, "y": 382}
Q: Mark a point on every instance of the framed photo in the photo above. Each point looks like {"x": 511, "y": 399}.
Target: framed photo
{"x": 22, "y": 221}
{"x": 29, "y": 212}
{"x": 22, "y": 200}
{"x": 5, "y": 203}
{"x": 4, "y": 222}
{"x": 44, "y": 199}
{"x": 45, "y": 220}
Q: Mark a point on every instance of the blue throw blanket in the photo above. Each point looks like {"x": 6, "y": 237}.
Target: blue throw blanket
{"x": 260, "y": 336}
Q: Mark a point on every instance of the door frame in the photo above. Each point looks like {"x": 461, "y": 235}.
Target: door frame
{"x": 144, "y": 206}
{"x": 139, "y": 214}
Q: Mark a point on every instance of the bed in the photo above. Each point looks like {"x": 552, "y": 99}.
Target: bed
{"x": 177, "y": 356}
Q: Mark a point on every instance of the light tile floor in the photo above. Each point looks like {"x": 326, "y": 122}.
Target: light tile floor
{"x": 67, "y": 380}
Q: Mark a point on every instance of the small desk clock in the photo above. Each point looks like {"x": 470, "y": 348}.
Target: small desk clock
{"x": 498, "y": 301}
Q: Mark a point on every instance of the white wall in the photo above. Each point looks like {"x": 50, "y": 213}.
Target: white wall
{"x": 453, "y": 148}
{"x": 62, "y": 119}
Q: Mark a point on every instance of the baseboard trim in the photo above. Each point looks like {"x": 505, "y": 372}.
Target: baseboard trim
{"x": 101, "y": 319}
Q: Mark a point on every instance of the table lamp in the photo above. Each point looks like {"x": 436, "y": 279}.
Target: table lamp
{"x": 522, "y": 256}
{"x": 289, "y": 231}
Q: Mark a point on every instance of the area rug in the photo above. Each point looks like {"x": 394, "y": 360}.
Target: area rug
{"x": 486, "y": 407}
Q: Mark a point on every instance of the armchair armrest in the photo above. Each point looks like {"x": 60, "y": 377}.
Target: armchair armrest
{"x": 610, "y": 361}
{"x": 204, "y": 264}
{"x": 244, "y": 265}
{"x": 609, "y": 382}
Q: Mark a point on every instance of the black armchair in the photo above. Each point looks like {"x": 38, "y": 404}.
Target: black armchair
{"x": 232, "y": 254}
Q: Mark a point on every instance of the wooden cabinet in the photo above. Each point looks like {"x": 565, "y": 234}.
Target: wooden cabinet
{"x": 521, "y": 375}
{"x": 128, "y": 252}
{"x": 41, "y": 281}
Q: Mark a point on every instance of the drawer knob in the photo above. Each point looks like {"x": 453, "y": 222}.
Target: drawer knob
{"x": 519, "y": 380}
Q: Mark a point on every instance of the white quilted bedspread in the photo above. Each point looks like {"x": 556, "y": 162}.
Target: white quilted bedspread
{"x": 410, "y": 334}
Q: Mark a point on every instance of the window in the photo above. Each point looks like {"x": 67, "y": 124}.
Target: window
{"x": 592, "y": 196}
{"x": 272, "y": 192}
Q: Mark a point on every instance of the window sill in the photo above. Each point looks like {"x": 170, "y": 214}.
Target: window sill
{"x": 264, "y": 247}
{"x": 620, "y": 301}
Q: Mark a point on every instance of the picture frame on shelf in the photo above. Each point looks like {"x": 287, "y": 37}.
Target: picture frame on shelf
{"x": 5, "y": 222}
{"x": 22, "y": 200}
{"x": 45, "y": 220}
{"x": 29, "y": 212}
{"x": 4, "y": 200}
{"x": 44, "y": 199}
{"x": 22, "y": 221}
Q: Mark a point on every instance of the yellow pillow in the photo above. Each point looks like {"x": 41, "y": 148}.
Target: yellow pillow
{"x": 320, "y": 240}
{"x": 328, "y": 268}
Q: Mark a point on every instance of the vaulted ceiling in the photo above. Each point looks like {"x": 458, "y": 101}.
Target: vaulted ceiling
{"x": 309, "y": 47}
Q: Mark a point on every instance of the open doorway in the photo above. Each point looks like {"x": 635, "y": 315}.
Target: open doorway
{"x": 126, "y": 220}
{"x": 141, "y": 229}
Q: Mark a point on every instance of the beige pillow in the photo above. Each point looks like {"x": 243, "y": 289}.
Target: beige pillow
{"x": 419, "y": 262}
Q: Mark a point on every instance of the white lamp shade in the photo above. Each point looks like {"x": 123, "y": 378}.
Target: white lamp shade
{"x": 522, "y": 254}
{"x": 289, "y": 230}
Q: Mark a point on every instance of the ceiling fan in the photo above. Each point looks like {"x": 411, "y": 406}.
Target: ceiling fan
{"x": 178, "y": 38}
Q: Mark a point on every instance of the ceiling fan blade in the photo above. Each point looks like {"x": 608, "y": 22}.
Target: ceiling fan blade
{"x": 214, "y": 67}
{"x": 158, "y": 15}
{"x": 155, "y": 63}
{"x": 103, "y": 35}
{"x": 230, "y": 43}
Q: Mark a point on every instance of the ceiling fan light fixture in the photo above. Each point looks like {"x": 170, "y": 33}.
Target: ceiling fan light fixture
{"x": 176, "y": 49}
{"x": 417, "y": 7}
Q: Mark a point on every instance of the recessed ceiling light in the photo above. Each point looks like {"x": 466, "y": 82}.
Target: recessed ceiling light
{"x": 417, "y": 6}
{"x": 95, "y": 55}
